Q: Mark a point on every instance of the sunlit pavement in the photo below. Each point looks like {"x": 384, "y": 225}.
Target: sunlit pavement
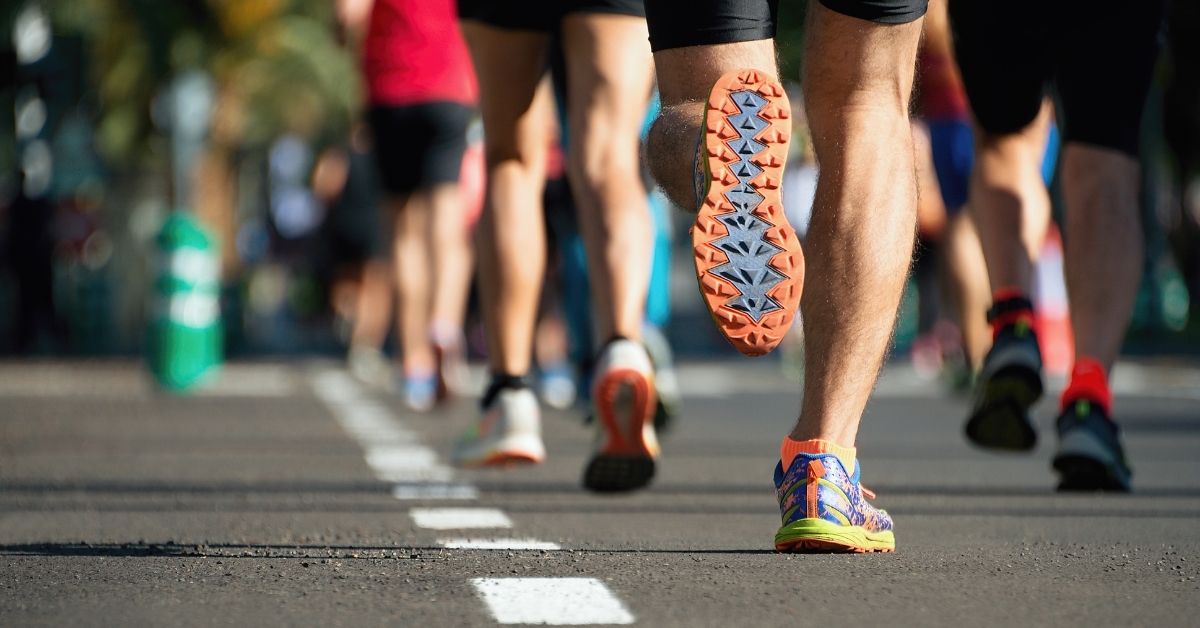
{"x": 289, "y": 494}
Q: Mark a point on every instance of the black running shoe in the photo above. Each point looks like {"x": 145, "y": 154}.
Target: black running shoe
{"x": 1090, "y": 456}
{"x": 1009, "y": 383}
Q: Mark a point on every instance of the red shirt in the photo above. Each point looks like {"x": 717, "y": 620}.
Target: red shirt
{"x": 415, "y": 54}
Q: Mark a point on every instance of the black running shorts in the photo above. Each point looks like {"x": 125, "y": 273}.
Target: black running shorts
{"x": 540, "y": 15}
{"x": 681, "y": 23}
{"x": 421, "y": 145}
{"x": 1100, "y": 61}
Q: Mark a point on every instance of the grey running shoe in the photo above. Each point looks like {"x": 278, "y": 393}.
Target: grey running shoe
{"x": 1090, "y": 456}
{"x": 1008, "y": 385}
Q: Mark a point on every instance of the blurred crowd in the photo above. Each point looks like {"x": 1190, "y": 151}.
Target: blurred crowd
{"x": 268, "y": 121}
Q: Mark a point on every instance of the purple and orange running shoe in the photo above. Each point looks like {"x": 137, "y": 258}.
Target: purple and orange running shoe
{"x": 826, "y": 510}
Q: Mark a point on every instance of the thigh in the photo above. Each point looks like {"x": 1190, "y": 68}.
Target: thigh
{"x": 1108, "y": 57}
{"x": 609, "y": 75}
{"x": 1006, "y": 57}
{"x": 509, "y": 65}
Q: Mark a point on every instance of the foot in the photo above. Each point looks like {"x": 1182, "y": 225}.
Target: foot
{"x": 508, "y": 432}
{"x": 623, "y": 397}
{"x": 420, "y": 391}
{"x": 668, "y": 397}
{"x": 1090, "y": 456}
{"x": 369, "y": 366}
{"x": 826, "y": 510}
{"x": 748, "y": 259}
{"x": 1009, "y": 383}
{"x": 450, "y": 353}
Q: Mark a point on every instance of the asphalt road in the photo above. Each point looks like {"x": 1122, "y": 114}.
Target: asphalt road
{"x": 287, "y": 494}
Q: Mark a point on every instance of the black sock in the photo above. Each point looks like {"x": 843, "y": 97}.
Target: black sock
{"x": 499, "y": 382}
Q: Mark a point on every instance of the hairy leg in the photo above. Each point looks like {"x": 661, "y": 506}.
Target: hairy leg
{"x": 685, "y": 78}
{"x": 1104, "y": 245}
{"x": 858, "y": 77}
{"x": 609, "y": 74}
{"x": 511, "y": 235}
{"x": 1009, "y": 203}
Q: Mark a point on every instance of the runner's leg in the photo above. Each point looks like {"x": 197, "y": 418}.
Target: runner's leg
{"x": 609, "y": 73}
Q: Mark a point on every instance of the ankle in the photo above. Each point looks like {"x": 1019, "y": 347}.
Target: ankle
{"x": 1089, "y": 382}
{"x": 792, "y": 447}
{"x": 500, "y": 382}
{"x": 1010, "y": 307}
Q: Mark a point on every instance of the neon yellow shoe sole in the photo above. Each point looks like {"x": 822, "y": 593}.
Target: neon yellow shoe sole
{"x": 819, "y": 535}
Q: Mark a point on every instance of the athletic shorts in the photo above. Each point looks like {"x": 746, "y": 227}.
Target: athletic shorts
{"x": 540, "y": 15}
{"x": 1099, "y": 58}
{"x": 420, "y": 145}
{"x": 681, "y": 23}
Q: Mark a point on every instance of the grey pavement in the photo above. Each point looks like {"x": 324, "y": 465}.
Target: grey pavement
{"x": 281, "y": 496}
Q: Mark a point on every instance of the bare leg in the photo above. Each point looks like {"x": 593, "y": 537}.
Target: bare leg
{"x": 1103, "y": 248}
{"x": 858, "y": 77}
{"x": 609, "y": 70}
{"x": 511, "y": 236}
{"x": 965, "y": 278}
{"x": 411, "y": 265}
{"x": 1009, "y": 203}
{"x": 449, "y": 247}
{"x": 685, "y": 76}
{"x": 373, "y": 305}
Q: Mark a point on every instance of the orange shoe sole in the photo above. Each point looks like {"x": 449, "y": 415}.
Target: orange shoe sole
{"x": 625, "y": 461}
{"x": 749, "y": 264}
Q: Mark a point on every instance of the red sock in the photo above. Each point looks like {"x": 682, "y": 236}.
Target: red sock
{"x": 1089, "y": 381}
{"x": 790, "y": 448}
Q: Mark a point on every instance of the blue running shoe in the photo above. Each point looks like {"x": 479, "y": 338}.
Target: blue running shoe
{"x": 825, "y": 509}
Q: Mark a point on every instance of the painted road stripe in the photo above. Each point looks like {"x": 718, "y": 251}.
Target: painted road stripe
{"x": 551, "y": 601}
{"x": 499, "y": 544}
{"x": 392, "y": 451}
{"x": 459, "y": 518}
{"x": 434, "y": 490}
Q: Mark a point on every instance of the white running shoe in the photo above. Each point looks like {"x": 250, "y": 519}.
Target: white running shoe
{"x": 624, "y": 396}
{"x": 509, "y": 432}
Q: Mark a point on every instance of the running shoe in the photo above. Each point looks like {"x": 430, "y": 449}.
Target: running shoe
{"x": 1009, "y": 383}
{"x": 749, "y": 264}
{"x": 368, "y": 365}
{"x": 507, "y": 433}
{"x": 1090, "y": 456}
{"x": 623, "y": 398}
{"x": 420, "y": 391}
{"x": 825, "y": 509}
{"x": 668, "y": 396}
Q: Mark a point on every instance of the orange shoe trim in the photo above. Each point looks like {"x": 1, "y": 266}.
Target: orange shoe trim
{"x": 747, "y": 335}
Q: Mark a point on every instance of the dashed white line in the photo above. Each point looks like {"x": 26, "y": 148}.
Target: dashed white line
{"x": 459, "y": 518}
{"x": 434, "y": 490}
{"x": 499, "y": 544}
{"x": 552, "y": 601}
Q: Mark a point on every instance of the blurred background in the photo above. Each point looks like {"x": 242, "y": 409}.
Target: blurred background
{"x": 117, "y": 114}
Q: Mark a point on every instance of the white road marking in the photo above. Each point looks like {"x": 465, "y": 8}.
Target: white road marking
{"x": 499, "y": 544}
{"x": 459, "y": 518}
{"x": 434, "y": 490}
{"x": 552, "y": 601}
{"x": 393, "y": 452}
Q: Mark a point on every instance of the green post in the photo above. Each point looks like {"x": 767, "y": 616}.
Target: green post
{"x": 184, "y": 346}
